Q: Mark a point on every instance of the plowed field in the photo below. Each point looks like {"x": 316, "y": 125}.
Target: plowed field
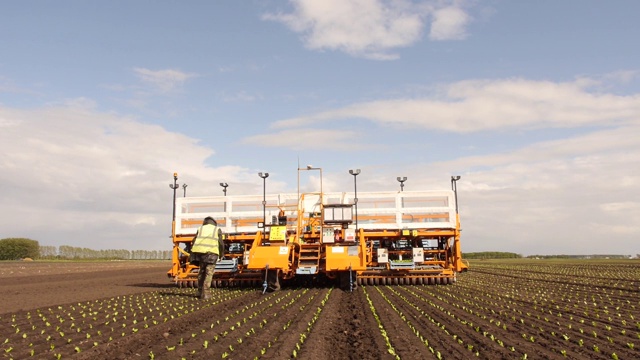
{"x": 509, "y": 310}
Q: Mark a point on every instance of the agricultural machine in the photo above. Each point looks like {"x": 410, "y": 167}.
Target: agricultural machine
{"x": 342, "y": 238}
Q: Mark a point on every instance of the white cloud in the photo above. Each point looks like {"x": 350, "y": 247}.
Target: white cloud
{"x": 76, "y": 176}
{"x": 449, "y": 23}
{"x": 623, "y": 76}
{"x": 307, "y": 139}
{"x": 480, "y": 105}
{"x": 4, "y": 122}
{"x": 163, "y": 80}
{"x": 575, "y": 196}
{"x": 370, "y": 28}
{"x": 621, "y": 207}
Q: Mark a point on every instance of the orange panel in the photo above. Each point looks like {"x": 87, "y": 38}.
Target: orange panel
{"x": 277, "y": 257}
{"x": 341, "y": 257}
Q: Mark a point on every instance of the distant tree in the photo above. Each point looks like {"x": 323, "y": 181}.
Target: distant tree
{"x": 48, "y": 252}
{"x": 19, "y": 248}
{"x": 491, "y": 255}
{"x": 71, "y": 252}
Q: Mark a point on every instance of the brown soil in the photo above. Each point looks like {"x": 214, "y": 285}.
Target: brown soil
{"x": 30, "y": 285}
{"x": 127, "y": 312}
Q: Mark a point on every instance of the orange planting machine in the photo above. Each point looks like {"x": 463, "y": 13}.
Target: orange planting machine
{"x": 387, "y": 237}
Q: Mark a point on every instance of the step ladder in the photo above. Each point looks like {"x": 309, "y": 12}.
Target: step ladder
{"x": 309, "y": 259}
{"x": 227, "y": 265}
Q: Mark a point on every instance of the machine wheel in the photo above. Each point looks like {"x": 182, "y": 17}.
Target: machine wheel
{"x": 432, "y": 281}
{"x": 420, "y": 281}
{"x": 414, "y": 281}
{"x": 395, "y": 281}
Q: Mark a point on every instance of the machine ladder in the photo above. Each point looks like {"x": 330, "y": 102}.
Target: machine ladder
{"x": 308, "y": 259}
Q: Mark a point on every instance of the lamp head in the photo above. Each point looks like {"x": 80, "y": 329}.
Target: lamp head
{"x": 455, "y": 178}
{"x": 354, "y": 172}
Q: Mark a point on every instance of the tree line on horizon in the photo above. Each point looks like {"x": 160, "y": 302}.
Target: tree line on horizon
{"x": 491, "y": 255}
{"x": 21, "y": 248}
{"x": 511, "y": 255}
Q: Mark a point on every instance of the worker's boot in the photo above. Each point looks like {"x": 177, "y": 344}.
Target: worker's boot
{"x": 201, "y": 278}
{"x": 205, "y": 293}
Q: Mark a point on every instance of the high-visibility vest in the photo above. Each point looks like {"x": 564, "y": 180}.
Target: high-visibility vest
{"x": 206, "y": 240}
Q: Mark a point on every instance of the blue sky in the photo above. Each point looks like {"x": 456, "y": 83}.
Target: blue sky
{"x": 536, "y": 104}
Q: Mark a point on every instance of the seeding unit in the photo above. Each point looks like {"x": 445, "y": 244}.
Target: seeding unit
{"x": 387, "y": 237}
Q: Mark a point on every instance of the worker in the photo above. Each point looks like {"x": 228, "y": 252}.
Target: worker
{"x": 206, "y": 248}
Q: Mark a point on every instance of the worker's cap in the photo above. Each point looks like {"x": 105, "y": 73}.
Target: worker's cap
{"x": 210, "y": 220}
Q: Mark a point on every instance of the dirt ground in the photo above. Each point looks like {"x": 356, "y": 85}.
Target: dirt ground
{"x": 131, "y": 311}
{"x": 29, "y": 285}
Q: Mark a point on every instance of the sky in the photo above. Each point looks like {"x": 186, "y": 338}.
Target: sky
{"x": 535, "y": 104}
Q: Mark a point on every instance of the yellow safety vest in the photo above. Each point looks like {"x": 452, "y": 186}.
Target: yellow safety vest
{"x": 206, "y": 240}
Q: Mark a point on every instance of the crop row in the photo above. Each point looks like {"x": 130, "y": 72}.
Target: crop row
{"x": 491, "y": 312}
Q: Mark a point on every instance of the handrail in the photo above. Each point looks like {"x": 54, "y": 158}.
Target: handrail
{"x": 376, "y": 210}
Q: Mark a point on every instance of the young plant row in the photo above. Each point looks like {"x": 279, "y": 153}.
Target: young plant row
{"x": 381, "y": 327}
{"x": 544, "y": 315}
{"x": 68, "y": 329}
{"x": 252, "y": 331}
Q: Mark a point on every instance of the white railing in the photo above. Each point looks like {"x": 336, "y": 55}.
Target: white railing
{"x": 376, "y": 210}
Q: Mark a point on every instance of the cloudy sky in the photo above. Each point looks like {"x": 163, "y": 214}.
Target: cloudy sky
{"x": 535, "y": 104}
